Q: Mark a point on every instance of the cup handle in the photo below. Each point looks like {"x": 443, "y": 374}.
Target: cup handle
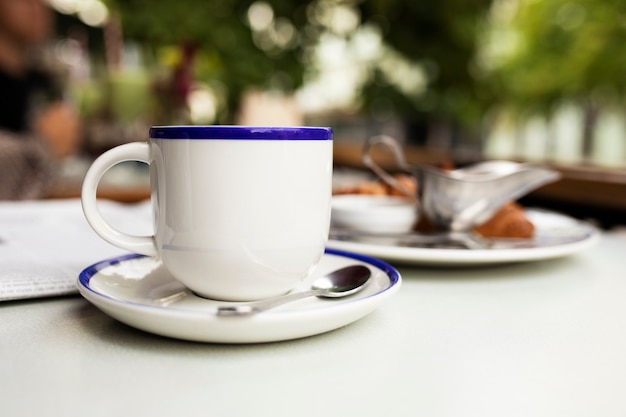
{"x": 135, "y": 151}
{"x": 398, "y": 154}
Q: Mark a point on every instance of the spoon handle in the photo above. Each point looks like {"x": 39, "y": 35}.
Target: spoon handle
{"x": 259, "y": 306}
{"x": 439, "y": 240}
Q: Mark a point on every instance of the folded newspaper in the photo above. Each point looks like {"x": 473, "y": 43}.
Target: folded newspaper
{"x": 44, "y": 245}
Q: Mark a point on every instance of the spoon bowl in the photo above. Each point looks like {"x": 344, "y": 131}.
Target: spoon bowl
{"x": 339, "y": 283}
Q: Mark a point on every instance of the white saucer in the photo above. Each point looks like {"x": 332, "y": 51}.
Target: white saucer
{"x": 556, "y": 235}
{"x": 138, "y": 291}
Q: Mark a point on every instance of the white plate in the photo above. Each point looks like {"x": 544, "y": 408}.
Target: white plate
{"x": 556, "y": 235}
{"x": 138, "y": 291}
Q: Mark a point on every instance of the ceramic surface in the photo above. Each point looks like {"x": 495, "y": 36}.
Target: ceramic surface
{"x": 556, "y": 235}
{"x": 138, "y": 291}
{"x": 239, "y": 213}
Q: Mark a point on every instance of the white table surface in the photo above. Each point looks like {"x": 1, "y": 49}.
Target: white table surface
{"x": 535, "y": 339}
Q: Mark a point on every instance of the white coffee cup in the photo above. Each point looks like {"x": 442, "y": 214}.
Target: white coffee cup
{"x": 240, "y": 213}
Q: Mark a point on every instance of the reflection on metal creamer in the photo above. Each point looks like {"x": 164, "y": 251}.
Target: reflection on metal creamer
{"x": 461, "y": 199}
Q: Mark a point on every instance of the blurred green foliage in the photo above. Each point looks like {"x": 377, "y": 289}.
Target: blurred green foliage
{"x": 475, "y": 54}
{"x": 441, "y": 37}
{"x": 561, "y": 50}
{"x": 227, "y": 56}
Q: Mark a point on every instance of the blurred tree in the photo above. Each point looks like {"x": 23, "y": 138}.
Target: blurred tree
{"x": 560, "y": 49}
{"x": 440, "y": 37}
{"x": 235, "y": 44}
{"x": 231, "y": 45}
{"x": 546, "y": 53}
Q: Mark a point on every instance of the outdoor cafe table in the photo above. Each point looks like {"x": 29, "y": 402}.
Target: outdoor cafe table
{"x": 534, "y": 339}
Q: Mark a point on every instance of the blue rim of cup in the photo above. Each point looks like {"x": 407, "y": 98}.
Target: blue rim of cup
{"x": 241, "y": 132}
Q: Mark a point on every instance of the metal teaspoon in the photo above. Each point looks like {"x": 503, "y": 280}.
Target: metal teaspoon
{"x": 339, "y": 283}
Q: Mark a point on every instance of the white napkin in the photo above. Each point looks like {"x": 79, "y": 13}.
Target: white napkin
{"x": 44, "y": 245}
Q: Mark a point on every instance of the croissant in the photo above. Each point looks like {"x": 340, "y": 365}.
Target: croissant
{"x": 508, "y": 222}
